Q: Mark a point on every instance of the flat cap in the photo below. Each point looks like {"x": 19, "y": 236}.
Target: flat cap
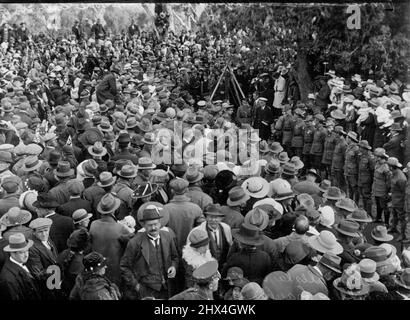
{"x": 40, "y": 223}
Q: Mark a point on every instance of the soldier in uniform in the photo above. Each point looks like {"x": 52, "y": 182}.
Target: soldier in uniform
{"x": 351, "y": 166}
{"x": 328, "y": 149}
{"x": 285, "y": 125}
{"x": 308, "y": 133}
{"x": 338, "y": 159}
{"x": 207, "y": 279}
{"x": 365, "y": 176}
{"x": 381, "y": 185}
{"x": 297, "y": 133}
{"x": 244, "y": 113}
{"x": 319, "y": 137}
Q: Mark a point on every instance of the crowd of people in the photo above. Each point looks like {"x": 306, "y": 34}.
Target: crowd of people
{"x": 121, "y": 166}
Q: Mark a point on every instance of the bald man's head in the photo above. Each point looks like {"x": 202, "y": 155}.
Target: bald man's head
{"x": 301, "y": 225}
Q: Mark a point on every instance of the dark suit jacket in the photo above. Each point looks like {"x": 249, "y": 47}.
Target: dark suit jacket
{"x": 72, "y": 205}
{"x": 60, "y": 230}
{"x": 134, "y": 262}
{"x": 40, "y": 258}
{"x": 16, "y": 284}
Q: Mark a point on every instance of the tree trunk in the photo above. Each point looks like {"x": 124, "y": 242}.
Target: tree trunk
{"x": 303, "y": 79}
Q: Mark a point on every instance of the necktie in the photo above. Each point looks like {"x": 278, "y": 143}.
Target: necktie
{"x": 215, "y": 232}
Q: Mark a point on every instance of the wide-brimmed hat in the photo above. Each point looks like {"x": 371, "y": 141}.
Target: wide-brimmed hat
{"x": 145, "y": 163}
{"x": 248, "y": 234}
{"x": 305, "y": 186}
{"x": 377, "y": 254}
{"x": 97, "y": 149}
{"x": 352, "y": 135}
{"x": 193, "y": 175}
{"x": 297, "y": 163}
{"x": 333, "y": 193}
{"x": 281, "y": 189}
{"x": 237, "y": 196}
{"x": 105, "y": 126}
{"x": 325, "y": 185}
{"x": 275, "y": 147}
{"x": 273, "y": 166}
{"x": 325, "y": 242}
{"x": 264, "y": 147}
{"x": 331, "y": 261}
{"x": 289, "y": 169}
{"x": 18, "y": 242}
{"x": 108, "y": 204}
{"x": 283, "y": 157}
{"x": 145, "y": 125}
{"x": 346, "y": 204}
{"x": 127, "y": 171}
{"x": 15, "y": 217}
{"x": 89, "y": 167}
{"x": 368, "y": 270}
{"x": 403, "y": 279}
{"x": 213, "y": 210}
{"x": 351, "y": 283}
{"x": 149, "y": 138}
{"x": 63, "y": 169}
{"x": 379, "y": 233}
{"x": 360, "y": 215}
{"x": 164, "y": 212}
{"x": 256, "y": 187}
{"x": 31, "y": 163}
{"x": 348, "y": 228}
{"x": 337, "y": 114}
{"x": 80, "y": 215}
{"x": 258, "y": 218}
{"x": 106, "y": 179}
{"x": 46, "y": 200}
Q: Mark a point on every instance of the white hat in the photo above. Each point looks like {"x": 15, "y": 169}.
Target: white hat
{"x": 271, "y": 202}
{"x": 327, "y": 216}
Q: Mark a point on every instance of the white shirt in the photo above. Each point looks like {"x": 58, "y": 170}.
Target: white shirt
{"x": 46, "y": 244}
{"x": 20, "y": 265}
{"x": 153, "y": 240}
{"x": 215, "y": 234}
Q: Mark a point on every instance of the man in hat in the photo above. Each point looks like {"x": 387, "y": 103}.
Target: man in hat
{"x": 263, "y": 118}
{"x": 351, "y": 166}
{"x": 236, "y": 204}
{"x": 107, "y": 88}
{"x": 365, "y": 175}
{"x": 219, "y": 233}
{"x": 285, "y": 125}
{"x": 381, "y": 185}
{"x": 105, "y": 231}
{"x": 195, "y": 193}
{"x": 183, "y": 214}
{"x": 10, "y": 198}
{"x": 144, "y": 169}
{"x": 62, "y": 226}
{"x": 347, "y": 232}
{"x": 207, "y": 278}
{"x": 319, "y": 137}
{"x": 298, "y": 129}
{"x": 338, "y": 159}
{"x": 123, "y": 149}
{"x": 16, "y": 281}
{"x": 328, "y": 149}
{"x": 31, "y": 167}
{"x": 308, "y": 134}
{"x": 75, "y": 189}
{"x": 42, "y": 254}
{"x": 394, "y": 147}
{"x": 398, "y": 192}
{"x": 63, "y": 173}
{"x": 122, "y": 187}
{"x": 150, "y": 261}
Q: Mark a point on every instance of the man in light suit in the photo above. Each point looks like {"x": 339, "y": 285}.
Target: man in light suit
{"x": 150, "y": 261}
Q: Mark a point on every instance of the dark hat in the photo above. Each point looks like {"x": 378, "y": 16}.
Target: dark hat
{"x": 348, "y": 228}
{"x": 377, "y": 254}
{"x": 396, "y": 127}
{"x": 237, "y": 196}
{"x": 54, "y": 157}
{"x": 94, "y": 261}
{"x": 91, "y": 136}
{"x": 234, "y": 273}
{"x": 63, "y": 169}
{"x": 78, "y": 240}
{"x": 248, "y": 234}
{"x": 124, "y": 138}
{"x": 106, "y": 179}
{"x": 108, "y": 204}
{"x": 296, "y": 251}
{"x": 46, "y": 200}
{"x": 36, "y": 183}
{"x": 151, "y": 213}
{"x": 181, "y": 167}
{"x": 258, "y": 218}
{"x": 213, "y": 210}
{"x": 225, "y": 180}
{"x": 331, "y": 262}
{"x": 10, "y": 184}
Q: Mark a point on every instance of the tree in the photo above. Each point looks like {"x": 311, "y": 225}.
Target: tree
{"x": 308, "y": 35}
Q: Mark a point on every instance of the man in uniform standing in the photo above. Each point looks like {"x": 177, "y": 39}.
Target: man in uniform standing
{"x": 308, "y": 133}
{"x": 365, "y": 175}
{"x": 297, "y": 133}
{"x": 285, "y": 124}
{"x": 351, "y": 167}
{"x": 338, "y": 159}
{"x": 207, "y": 279}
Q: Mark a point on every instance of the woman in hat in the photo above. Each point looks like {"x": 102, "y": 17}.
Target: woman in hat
{"x": 254, "y": 262}
{"x": 92, "y": 283}
{"x": 71, "y": 259}
{"x": 350, "y": 286}
{"x": 195, "y": 254}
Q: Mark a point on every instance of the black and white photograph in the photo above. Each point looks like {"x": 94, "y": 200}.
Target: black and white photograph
{"x": 204, "y": 151}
